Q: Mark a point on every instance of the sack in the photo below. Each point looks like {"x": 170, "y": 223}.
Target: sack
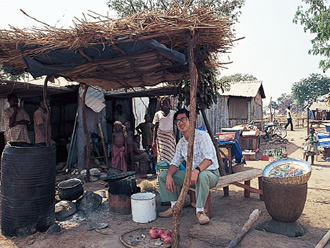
{"x": 226, "y": 136}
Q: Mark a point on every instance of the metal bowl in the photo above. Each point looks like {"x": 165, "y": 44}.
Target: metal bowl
{"x": 283, "y": 161}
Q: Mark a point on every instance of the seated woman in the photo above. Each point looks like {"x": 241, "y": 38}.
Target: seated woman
{"x": 141, "y": 156}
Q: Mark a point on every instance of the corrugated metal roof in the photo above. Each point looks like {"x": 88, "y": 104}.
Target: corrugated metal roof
{"x": 245, "y": 89}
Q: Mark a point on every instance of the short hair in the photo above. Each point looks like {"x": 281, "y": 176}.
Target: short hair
{"x": 181, "y": 111}
{"x": 165, "y": 98}
{"x": 11, "y": 96}
{"x": 117, "y": 123}
{"x": 289, "y": 107}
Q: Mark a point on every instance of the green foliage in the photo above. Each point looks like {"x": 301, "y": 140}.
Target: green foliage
{"x": 7, "y": 76}
{"x": 207, "y": 90}
{"x": 238, "y": 77}
{"x": 308, "y": 89}
{"x": 229, "y": 8}
{"x": 316, "y": 19}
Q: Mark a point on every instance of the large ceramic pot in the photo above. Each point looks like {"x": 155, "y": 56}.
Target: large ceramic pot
{"x": 70, "y": 189}
{"x": 284, "y": 202}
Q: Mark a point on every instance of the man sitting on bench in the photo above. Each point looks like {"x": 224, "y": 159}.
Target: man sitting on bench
{"x": 205, "y": 174}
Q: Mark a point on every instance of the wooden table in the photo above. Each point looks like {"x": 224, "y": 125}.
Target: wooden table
{"x": 229, "y": 147}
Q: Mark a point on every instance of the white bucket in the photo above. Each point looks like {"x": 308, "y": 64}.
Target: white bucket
{"x": 143, "y": 207}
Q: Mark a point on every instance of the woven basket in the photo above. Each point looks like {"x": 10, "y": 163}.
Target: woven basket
{"x": 302, "y": 179}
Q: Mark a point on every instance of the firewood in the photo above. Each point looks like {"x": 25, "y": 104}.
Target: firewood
{"x": 324, "y": 240}
{"x": 254, "y": 216}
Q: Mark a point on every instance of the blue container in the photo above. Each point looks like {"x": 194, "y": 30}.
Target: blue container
{"x": 327, "y": 127}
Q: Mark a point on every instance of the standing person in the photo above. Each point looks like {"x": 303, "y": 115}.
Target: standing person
{"x": 205, "y": 173}
{"x": 146, "y": 129}
{"x": 163, "y": 135}
{"x": 310, "y": 146}
{"x": 40, "y": 120}
{"x": 120, "y": 115}
{"x": 289, "y": 118}
{"x": 15, "y": 120}
{"x": 119, "y": 148}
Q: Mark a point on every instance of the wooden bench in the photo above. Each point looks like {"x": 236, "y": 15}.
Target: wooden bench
{"x": 243, "y": 176}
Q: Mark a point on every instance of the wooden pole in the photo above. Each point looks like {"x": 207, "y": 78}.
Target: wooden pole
{"x": 88, "y": 142}
{"x": 254, "y": 216}
{"x": 103, "y": 145}
{"x": 192, "y": 124}
{"x": 209, "y": 130}
{"x": 307, "y": 121}
{"x": 324, "y": 240}
{"x": 47, "y": 109}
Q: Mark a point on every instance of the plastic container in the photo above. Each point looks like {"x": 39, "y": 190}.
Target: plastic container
{"x": 327, "y": 127}
{"x": 143, "y": 207}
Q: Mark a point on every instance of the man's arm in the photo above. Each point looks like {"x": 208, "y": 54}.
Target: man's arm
{"x": 202, "y": 166}
{"x": 170, "y": 185}
{"x": 155, "y": 133}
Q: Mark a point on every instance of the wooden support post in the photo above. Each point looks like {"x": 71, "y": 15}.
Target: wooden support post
{"x": 192, "y": 39}
{"x": 209, "y": 130}
{"x": 261, "y": 196}
{"x": 47, "y": 109}
{"x": 324, "y": 240}
{"x": 88, "y": 142}
{"x": 247, "y": 192}
{"x": 226, "y": 191}
{"x": 307, "y": 121}
{"x": 105, "y": 150}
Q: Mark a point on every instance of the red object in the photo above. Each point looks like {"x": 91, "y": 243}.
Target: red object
{"x": 154, "y": 151}
{"x": 266, "y": 158}
{"x": 226, "y": 136}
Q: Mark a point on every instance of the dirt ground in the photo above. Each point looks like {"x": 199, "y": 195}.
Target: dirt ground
{"x": 229, "y": 215}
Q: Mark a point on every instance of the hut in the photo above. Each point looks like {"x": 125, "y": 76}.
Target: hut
{"x": 239, "y": 105}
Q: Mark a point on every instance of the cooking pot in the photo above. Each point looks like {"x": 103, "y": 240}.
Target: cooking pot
{"x": 70, "y": 189}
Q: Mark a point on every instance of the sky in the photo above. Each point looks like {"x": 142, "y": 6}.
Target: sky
{"x": 275, "y": 50}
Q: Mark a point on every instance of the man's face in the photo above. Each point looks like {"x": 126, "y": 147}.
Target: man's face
{"x": 13, "y": 102}
{"x": 182, "y": 122}
{"x": 164, "y": 105}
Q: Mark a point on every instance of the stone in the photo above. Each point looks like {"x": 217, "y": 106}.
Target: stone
{"x": 64, "y": 209}
{"x": 53, "y": 229}
{"x": 89, "y": 202}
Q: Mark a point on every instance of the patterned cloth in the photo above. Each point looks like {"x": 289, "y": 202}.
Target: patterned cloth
{"x": 165, "y": 146}
{"x": 203, "y": 149}
{"x": 118, "y": 158}
{"x": 17, "y": 133}
{"x": 310, "y": 149}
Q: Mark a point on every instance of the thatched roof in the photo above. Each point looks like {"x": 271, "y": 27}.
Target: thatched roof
{"x": 141, "y": 50}
{"x": 245, "y": 89}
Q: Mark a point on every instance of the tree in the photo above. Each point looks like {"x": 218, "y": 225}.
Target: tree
{"x": 284, "y": 101}
{"x": 308, "y": 89}
{"x": 238, "y": 77}
{"x": 229, "y": 8}
{"x": 316, "y": 19}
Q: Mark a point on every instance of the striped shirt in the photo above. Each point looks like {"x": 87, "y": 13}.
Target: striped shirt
{"x": 203, "y": 149}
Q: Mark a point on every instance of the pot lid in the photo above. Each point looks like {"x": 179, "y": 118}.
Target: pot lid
{"x": 70, "y": 183}
{"x": 117, "y": 176}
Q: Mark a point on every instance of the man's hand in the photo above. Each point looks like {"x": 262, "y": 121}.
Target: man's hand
{"x": 170, "y": 185}
{"x": 194, "y": 176}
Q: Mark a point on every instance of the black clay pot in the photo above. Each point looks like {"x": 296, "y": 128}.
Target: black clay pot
{"x": 70, "y": 189}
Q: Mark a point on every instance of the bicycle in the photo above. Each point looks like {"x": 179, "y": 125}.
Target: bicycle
{"x": 274, "y": 128}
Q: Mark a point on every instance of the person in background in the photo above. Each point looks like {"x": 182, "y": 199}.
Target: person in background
{"x": 141, "y": 156}
{"x": 145, "y": 129}
{"x": 324, "y": 115}
{"x": 289, "y": 118}
{"x": 163, "y": 135}
{"x": 310, "y": 115}
{"x": 205, "y": 172}
{"x": 40, "y": 121}
{"x": 317, "y": 114}
{"x": 129, "y": 143}
{"x": 15, "y": 120}
{"x": 119, "y": 148}
{"x": 310, "y": 146}
{"x": 120, "y": 115}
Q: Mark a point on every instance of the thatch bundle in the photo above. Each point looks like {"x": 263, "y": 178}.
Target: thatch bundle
{"x": 169, "y": 29}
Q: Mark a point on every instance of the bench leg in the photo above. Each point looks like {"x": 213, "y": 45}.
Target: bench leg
{"x": 208, "y": 205}
{"x": 226, "y": 191}
{"x": 246, "y": 191}
{"x": 261, "y": 196}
